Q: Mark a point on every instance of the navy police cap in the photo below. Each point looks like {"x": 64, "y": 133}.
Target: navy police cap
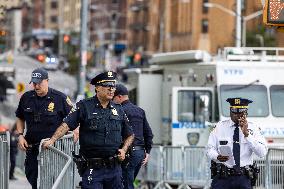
{"x": 104, "y": 79}
{"x": 38, "y": 75}
{"x": 120, "y": 90}
{"x": 238, "y": 104}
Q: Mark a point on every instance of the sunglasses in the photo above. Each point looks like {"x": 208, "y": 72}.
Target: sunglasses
{"x": 108, "y": 84}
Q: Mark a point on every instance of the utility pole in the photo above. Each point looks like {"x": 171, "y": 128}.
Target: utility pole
{"x": 60, "y": 24}
{"x": 83, "y": 40}
{"x": 238, "y": 23}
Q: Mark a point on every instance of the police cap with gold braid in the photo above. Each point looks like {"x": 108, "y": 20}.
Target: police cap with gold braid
{"x": 105, "y": 79}
{"x": 238, "y": 105}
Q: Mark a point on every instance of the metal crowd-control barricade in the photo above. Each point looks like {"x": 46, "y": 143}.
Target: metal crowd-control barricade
{"x": 190, "y": 167}
{"x": 261, "y": 164}
{"x": 153, "y": 171}
{"x": 56, "y": 168}
{"x": 275, "y": 169}
{"x": 196, "y": 167}
{"x": 4, "y": 159}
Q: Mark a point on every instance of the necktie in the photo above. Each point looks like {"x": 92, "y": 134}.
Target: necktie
{"x": 236, "y": 147}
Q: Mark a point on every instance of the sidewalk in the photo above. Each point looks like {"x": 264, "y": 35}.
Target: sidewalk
{"x": 21, "y": 181}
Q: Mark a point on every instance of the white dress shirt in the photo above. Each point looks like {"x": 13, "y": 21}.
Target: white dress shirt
{"x": 253, "y": 143}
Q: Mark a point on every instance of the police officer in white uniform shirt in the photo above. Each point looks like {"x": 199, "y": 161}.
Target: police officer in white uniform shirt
{"x": 231, "y": 146}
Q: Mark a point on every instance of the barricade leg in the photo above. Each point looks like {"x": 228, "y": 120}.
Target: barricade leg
{"x": 183, "y": 186}
{"x": 162, "y": 185}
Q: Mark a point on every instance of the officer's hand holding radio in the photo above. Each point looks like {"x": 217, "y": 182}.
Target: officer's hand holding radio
{"x": 244, "y": 125}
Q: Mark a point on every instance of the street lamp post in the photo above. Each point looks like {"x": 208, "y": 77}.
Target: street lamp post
{"x": 240, "y": 21}
{"x": 82, "y": 70}
{"x": 237, "y": 14}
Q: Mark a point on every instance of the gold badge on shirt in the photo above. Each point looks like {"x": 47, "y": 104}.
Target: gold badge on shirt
{"x": 114, "y": 112}
{"x": 50, "y": 107}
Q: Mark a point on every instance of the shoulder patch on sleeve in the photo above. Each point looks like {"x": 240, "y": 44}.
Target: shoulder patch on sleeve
{"x": 69, "y": 101}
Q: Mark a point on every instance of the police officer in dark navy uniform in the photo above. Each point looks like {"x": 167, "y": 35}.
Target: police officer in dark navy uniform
{"x": 140, "y": 150}
{"x": 105, "y": 135}
{"x": 231, "y": 146}
{"x": 43, "y": 110}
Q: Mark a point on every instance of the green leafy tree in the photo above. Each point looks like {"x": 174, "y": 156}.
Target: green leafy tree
{"x": 268, "y": 35}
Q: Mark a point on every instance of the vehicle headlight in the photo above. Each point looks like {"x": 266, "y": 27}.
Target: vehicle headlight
{"x": 47, "y": 59}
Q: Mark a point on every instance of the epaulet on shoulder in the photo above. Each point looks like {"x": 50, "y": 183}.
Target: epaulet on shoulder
{"x": 87, "y": 99}
{"x": 116, "y": 105}
{"x": 54, "y": 91}
{"x": 224, "y": 121}
{"x": 28, "y": 93}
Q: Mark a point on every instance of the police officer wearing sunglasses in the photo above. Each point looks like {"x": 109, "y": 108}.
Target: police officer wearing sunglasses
{"x": 105, "y": 135}
{"x": 233, "y": 167}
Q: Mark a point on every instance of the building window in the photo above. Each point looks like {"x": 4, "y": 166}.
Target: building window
{"x": 204, "y": 8}
{"x": 204, "y": 26}
{"x": 53, "y": 5}
{"x": 53, "y": 19}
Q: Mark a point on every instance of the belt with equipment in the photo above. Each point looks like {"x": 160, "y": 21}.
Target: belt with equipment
{"x": 98, "y": 163}
{"x": 134, "y": 148}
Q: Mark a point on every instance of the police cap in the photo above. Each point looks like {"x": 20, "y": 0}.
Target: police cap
{"x": 238, "y": 105}
{"x": 106, "y": 79}
{"x": 38, "y": 75}
{"x": 120, "y": 90}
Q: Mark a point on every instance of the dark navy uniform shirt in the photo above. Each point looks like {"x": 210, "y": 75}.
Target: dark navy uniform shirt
{"x": 142, "y": 131}
{"x": 43, "y": 115}
{"x": 102, "y": 130}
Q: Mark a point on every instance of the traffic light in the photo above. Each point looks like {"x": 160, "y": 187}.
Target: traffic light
{"x": 2, "y": 32}
{"x": 273, "y": 13}
{"x": 137, "y": 58}
{"x": 41, "y": 58}
{"x": 66, "y": 38}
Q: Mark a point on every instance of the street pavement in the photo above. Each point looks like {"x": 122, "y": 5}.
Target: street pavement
{"x": 21, "y": 182}
{"x": 24, "y": 66}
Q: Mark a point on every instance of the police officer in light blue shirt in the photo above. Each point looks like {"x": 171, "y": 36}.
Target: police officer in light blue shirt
{"x": 105, "y": 135}
{"x": 240, "y": 139}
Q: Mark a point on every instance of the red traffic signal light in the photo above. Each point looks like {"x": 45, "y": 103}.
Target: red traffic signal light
{"x": 137, "y": 57}
{"x": 273, "y": 13}
{"x": 66, "y": 38}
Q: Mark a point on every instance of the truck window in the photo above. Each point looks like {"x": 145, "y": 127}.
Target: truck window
{"x": 194, "y": 106}
{"x": 277, "y": 100}
{"x": 256, "y": 93}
